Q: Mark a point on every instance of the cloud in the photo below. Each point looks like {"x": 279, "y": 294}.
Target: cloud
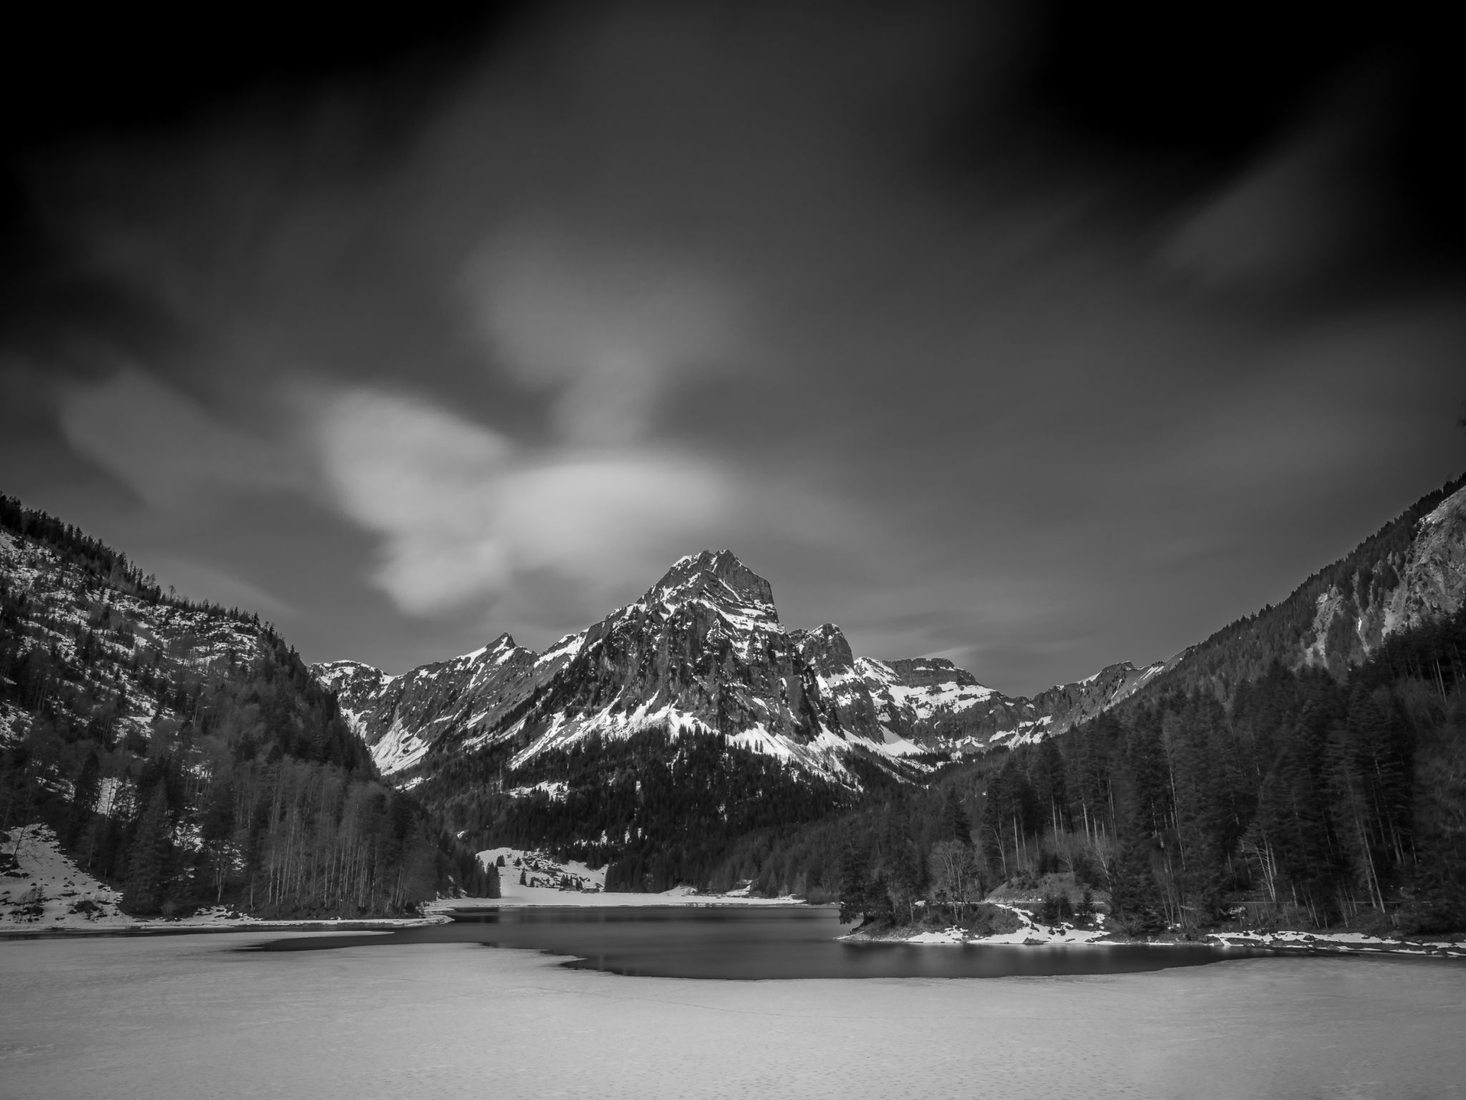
{"x": 606, "y": 328}
{"x": 466, "y": 516}
{"x": 1302, "y": 211}
{"x": 795, "y": 281}
{"x": 168, "y": 448}
{"x": 424, "y": 480}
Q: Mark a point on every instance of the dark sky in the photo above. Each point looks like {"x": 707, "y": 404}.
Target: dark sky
{"x": 1035, "y": 335}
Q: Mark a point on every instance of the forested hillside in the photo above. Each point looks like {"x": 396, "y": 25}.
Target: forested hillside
{"x": 183, "y": 751}
{"x": 1303, "y": 801}
{"x": 655, "y": 808}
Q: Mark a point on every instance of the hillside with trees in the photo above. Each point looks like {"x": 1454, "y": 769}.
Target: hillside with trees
{"x": 184, "y": 753}
{"x": 1302, "y": 801}
{"x": 656, "y": 808}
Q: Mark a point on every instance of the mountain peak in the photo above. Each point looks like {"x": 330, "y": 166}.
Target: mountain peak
{"x": 710, "y": 569}
{"x": 496, "y": 649}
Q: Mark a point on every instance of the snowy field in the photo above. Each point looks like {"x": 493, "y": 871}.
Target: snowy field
{"x": 191, "y": 1017}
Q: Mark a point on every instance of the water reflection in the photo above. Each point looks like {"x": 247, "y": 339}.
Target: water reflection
{"x": 758, "y": 943}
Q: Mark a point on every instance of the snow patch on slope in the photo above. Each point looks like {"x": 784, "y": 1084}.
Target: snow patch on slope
{"x": 400, "y": 748}
{"x": 41, "y": 886}
{"x": 541, "y": 870}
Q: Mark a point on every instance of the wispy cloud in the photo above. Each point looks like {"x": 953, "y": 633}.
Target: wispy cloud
{"x": 604, "y": 328}
{"x": 465, "y": 516}
{"x": 812, "y": 283}
{"x": 168, "y": 448}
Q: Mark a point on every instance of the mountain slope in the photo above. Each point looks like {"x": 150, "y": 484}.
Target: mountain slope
{"x": 1409, "y": 573}
{"x": 703, "y": 650}
{"x": 183, "y": 751}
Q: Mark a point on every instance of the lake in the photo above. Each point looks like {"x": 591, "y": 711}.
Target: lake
{"x": 182, "y": 1017}
{"x": 756, "y": 942}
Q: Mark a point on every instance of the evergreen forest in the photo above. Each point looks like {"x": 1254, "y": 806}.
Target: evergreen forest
{"x": 1301, "y": 800}
{"x": 184, "y": 753}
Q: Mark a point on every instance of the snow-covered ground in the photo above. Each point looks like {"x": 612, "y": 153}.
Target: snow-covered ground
{"x": 43, "y": 888}
{"x": 542, "y": 871}
{"x": 1028, "y": 932}
{"x": 1340, "y": 941}
{"x": 1033, "y": 934}
{"x": 190, "y": 1016}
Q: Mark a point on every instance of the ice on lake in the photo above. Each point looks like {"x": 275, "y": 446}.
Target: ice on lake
{"x": 193, "y": 1016}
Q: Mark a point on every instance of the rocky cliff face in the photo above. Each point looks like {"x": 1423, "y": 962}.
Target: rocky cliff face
{"x": 1433, "y": 582}
{"x": 1409, "y": 572}
{"x": 1400, "y": 587}
{"x": 401, "y": 717}
{"x": 701, "y": 650}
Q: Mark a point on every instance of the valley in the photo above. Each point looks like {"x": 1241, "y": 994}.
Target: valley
{"x": 1297, "y": 770}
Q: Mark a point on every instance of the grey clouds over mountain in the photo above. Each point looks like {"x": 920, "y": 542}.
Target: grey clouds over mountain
{"x": 987, "y": 335}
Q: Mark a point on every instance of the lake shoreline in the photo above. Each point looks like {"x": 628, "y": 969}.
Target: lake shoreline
{"x": 184, "y": 927}
{"x": 1280, "y": 943}
{"x": 438, "y": 911}
{"x": 1030, "y": 934}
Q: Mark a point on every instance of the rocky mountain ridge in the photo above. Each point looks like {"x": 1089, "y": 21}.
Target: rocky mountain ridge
{"x": 703, "y": 649}
{"x": 1409, "y": 573}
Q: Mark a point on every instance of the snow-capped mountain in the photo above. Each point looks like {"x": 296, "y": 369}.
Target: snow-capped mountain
{"x": 399, "y": 717}
{"x": 703, "y": 650}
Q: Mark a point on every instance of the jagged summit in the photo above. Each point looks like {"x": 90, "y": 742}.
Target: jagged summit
{"x": 716, "y": 574}
{"x": 503, "y": 644}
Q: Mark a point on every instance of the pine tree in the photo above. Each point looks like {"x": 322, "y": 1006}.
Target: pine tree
{"x": 958, "y": 824}
{"x": 148, "y": 860}
{"x": 85, "y": 789}
{"x": 854, "y": 882}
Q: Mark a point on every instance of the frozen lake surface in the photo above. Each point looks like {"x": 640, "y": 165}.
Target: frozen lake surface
{"x": 193, "y": 1016}
{"x": 759, "y": 943}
